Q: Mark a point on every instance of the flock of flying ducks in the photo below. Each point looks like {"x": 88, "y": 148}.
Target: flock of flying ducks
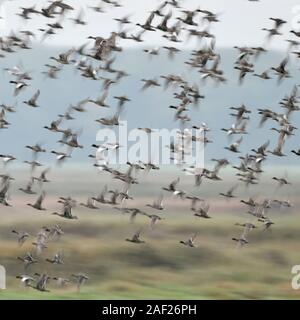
{"x": 95, "y": 61}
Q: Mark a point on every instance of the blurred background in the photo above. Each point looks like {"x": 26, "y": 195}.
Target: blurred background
{"x": 95, "y": 244}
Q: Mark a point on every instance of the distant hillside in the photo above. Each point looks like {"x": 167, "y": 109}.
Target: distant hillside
{"x": 147, "y": 109}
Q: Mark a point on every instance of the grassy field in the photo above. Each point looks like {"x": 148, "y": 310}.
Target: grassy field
{"x": 161, "y": 268}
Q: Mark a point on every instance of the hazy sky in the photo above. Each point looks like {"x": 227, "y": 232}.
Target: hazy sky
{"x": 240, "y": 20}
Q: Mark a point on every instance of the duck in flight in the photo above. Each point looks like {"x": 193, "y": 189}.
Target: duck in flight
{"x": 190, "y": 242}
{"x": 136, "y": 238}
